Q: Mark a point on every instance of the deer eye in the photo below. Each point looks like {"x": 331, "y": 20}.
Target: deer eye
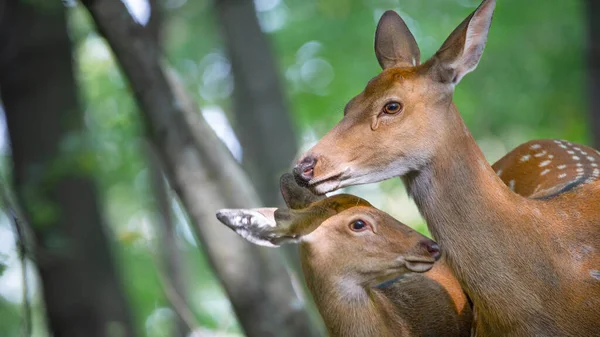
{"x": 392, "y": 108}
{"x": 358, "y": 226}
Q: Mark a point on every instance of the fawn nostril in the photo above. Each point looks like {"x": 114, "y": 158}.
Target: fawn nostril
{"x": 304, "y": 170}
{"x": 432, "y": 248}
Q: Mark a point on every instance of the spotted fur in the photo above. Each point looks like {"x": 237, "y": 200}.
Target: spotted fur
{"x": 546, "y": 168}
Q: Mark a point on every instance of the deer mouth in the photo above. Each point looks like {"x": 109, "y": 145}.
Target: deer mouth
{"x": 419, "y": 265}
{"x": 328, "y": 183}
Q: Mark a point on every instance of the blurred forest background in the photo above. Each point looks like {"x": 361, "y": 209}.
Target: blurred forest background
{"x": 105, "y": 99}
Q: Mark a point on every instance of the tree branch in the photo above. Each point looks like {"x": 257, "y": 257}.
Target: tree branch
{"x": 262, "y": 117}
{"x": 169, "y": 267}
{"x": 206, "y": 177}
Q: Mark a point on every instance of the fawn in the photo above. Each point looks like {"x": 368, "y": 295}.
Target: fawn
{"x": 369, "y": 274}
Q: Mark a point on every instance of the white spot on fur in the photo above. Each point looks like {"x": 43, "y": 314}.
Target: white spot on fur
{"x": 535, "y": 146}
{"x": 596, "y": 173}
{"x": 571, "y": 152}
{"x": 563, "y": 146}
{"x": 562, "y": 167}
{"x": 590, "y": 158}
{"x": 579, "y": 164}
{"x": 557, "y": 141}
{"x": 545, "y": 163}
{"x": 594, "y": 165}
{"x": 511, "y": 185}
{"x": 499, "y": 172}
{"x": 581, "y": 169}
{"x": 525, "y": 158}
{"x": 575, "y": 158}
{"x": 577, "y": 149}
{"x": 544, "y": 172}
{"x": 550, "y": 156}
{"x": 562, "y": 175}
{"x": 540, "y": 154}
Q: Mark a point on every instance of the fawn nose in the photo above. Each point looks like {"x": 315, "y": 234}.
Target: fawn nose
{"x": 432, "y": 248}
{"x": 304, "y": 169}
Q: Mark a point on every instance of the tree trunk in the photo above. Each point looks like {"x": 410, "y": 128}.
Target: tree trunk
{"x": 171, "y": 259}
{"x": 593, "y": 57}
{"x": 262, "y": 119}
{"x": 206, "y": 177}
{"x": 155, "y": 22}
{"x": 52, "y": 174}
{"x": 170, "y": 266}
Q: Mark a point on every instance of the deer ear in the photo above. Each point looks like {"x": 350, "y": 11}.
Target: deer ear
{"x": 395, "y": 46}
{"x": 262, "y": 226}
{"x": 296, "y": 196}
{"x": 462, "y": 50}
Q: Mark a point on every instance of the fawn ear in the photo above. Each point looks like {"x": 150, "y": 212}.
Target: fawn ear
{"x": 296, "y": 196}
{"x": 462, "y": 50}
{"x": 395, "y": 46}
{"x": 273, "y": 227}
{"x": 262, "y": 226}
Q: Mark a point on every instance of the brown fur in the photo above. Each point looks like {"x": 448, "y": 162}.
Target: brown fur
{"x": 364, "y": 283}
{"x": 546, "y": 167}
{"x": 428, "y": 304}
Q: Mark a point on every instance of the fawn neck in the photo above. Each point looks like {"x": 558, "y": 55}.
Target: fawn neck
{"x": 478, "y": 223}
{"x": 348, "y": 309}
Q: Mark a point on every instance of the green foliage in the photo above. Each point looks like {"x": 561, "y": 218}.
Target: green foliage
{"x": 9, "y": 318}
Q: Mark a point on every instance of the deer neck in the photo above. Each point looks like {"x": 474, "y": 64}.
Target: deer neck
{"x": 478, "y": 223}
{"x": 347, "y": 308}
{"x": 457, "y": 188}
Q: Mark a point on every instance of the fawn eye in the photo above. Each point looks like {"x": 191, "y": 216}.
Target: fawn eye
{"x": 358, "y": 226}
{"x": 392, "y": 108}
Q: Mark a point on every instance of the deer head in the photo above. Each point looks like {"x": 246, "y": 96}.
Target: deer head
{"x": 342, "y": 232}
{"x": 404, "y": 115}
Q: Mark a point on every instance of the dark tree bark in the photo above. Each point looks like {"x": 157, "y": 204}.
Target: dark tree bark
{"x": 82, "y": 292}
{"x": 170, "y": 264}
{"x": 155, "y": 21}
{"x": 262, "y": 119}
{"x": 171, "y": 269}
{"x": 593, "y": 57}
{"x": 206, "y": 177}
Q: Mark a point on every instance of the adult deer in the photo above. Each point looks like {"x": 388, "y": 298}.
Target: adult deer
{"x": 530, "y": 266}
{"x": 369, "y": 275}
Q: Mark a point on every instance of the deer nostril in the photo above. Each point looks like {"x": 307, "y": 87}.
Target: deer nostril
{"x": 432, "y": 248}
{"x": 304, "y": 170}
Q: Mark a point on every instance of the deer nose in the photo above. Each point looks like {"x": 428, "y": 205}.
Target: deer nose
{"x": 304, "y": 169}
{"x": 432, "y": 248}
